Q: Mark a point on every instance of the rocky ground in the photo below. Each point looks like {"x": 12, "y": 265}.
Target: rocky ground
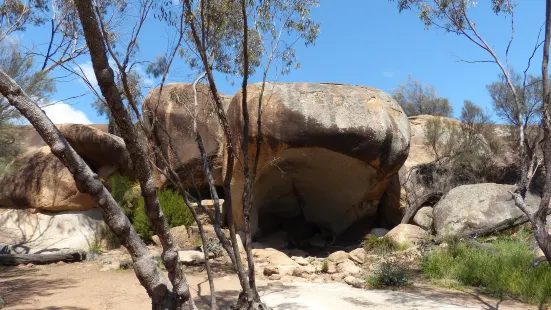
{"x": 286, "y": 282}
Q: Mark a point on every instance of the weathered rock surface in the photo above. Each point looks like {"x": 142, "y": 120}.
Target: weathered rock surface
{"x": 407, "y": 234}
{"x": 423, "y": 218}
{"x": 329, "y": 152}
{"x": 468, "y": 208}
{"x": 40, "y": 181}
{"x": 171, "y": 114}
{"x": 46, "y": 232}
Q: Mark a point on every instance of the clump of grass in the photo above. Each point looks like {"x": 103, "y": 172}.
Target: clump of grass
{"x": 325, "y": 266}
{"x": 95, "y": 246}
{"x": 388, "y": 274}
{"x": 509, "y": 271}
{"x": 381, "y": 246}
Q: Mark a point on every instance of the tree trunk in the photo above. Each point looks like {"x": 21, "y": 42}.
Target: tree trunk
{"x": 539, "y": 218}
{"x": 146, "y": 268}
{"x": 41, "y": 259}
{"x": 140, "y": 162}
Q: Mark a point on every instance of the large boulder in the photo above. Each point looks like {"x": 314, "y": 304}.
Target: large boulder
{"x": 47, "y": 232}
{"x": 328, "y": 153}
{"x": 38, "y": 179}
{"x": 468, "y": 208}
{"x": 170, "y": 113}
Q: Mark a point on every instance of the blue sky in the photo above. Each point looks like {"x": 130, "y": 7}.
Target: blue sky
{"x": 365, "y": 42}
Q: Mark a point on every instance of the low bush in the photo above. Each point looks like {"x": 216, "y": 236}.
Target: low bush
{"x": 174, "y": 209}
{"x": 388, "y": 274}
{"x": 125, "y": 192}
{"x": 509, "y": 271}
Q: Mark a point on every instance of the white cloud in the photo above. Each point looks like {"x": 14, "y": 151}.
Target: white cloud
{"x": 62, "y": 113}
{"x": 388, "y": 74}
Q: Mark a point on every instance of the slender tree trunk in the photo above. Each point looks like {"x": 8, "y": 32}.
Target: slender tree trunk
{"x": 106, "y": 81}
{"x": 539, "y": 218}
{"x": 148, "y": 272}
{"x": 230, "y": 160}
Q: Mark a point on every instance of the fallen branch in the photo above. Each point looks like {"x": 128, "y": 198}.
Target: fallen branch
{"x": 41, "y": 259}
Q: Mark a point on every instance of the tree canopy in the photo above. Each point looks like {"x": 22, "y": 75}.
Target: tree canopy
{"x": 417, "y": 99}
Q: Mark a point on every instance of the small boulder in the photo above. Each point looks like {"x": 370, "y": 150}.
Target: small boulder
{"x": 191, "y": 257}
{"x": 348, "y": 268}
{"x": 338, "y": 257}
{"x": 275, "y": 277}
{"x": 423, "y": 218}
{"x": 273, "y": 256}
{"x": 378, "y": 232}
{"x": 270, "y": 270}
{"x": 353, "y": 281}
{"x": 407, "y": 234}
{"x": 357, "y": 255}
{"x": 337, "y": 276}
{"x": 300, "y": 260}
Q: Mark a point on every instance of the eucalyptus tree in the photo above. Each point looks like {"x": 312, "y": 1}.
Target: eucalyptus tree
{"x": 454, "y": 16}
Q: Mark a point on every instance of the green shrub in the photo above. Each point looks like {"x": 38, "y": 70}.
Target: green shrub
{"x": 388, "y": 274}
{"x": 505, "y": 272}
{"x": 174, "y": 208}
{"x": 125, "y": 192}
{"x": 325, "y": 266}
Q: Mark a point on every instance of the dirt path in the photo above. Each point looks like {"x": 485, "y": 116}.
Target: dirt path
{"x": 81, "y": 286}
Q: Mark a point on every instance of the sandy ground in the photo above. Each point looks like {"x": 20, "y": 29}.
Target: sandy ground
{"x": 82, "y": 286}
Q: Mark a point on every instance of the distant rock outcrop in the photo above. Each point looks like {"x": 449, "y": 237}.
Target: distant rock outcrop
{"x": 329, "y": 152}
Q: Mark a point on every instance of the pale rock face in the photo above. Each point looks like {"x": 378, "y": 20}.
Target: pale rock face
{"x": 46, "y": 232}
{"x": 330, "y": 150}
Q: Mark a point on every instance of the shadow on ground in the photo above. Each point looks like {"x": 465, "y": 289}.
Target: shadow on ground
{"x": 15, "y": 280}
